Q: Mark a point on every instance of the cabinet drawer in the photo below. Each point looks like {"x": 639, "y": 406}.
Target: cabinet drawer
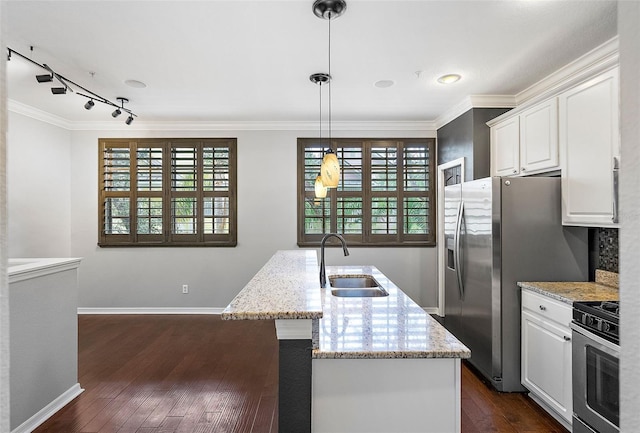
{"x": 546, "y": 307}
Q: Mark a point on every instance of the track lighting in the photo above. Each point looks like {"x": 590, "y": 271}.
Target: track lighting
{"x": 45, "y": 78}
{"x": 68, "y": 85}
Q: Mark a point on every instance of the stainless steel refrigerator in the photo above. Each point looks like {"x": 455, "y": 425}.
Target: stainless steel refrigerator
{"x": 499, "y": 231}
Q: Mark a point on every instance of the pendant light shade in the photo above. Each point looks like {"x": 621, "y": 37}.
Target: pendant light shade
{"x": 321, "y": 190}
{"x": 330, "y": 170}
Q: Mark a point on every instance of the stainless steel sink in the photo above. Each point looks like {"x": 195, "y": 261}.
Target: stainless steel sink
{"x": 356, "y": 286}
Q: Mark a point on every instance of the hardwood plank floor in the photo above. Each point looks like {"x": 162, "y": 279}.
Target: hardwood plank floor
{"x": 199, "y": 374}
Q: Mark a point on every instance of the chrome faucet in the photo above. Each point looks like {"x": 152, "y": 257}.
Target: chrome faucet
{"x": 323, "y": 276}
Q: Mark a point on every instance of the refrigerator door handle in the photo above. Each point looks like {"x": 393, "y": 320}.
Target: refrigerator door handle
{"x": 458, "y": 262}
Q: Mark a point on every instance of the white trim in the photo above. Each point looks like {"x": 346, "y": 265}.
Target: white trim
{"x": 474, "y": 101}
{"x": 150, "y": 310}
{"x": 293, "y": 329}
{"x": 35, "y": 113}
{"x": 430, "y": 310}
{"x": 34, "y": 268}
{"x": 440, "y": 229}
{"x": 138, "y": 125}
{"x": 598, "y": 60}
{"x": 49, "y": 410}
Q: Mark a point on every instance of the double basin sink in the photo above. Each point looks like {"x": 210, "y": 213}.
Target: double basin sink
{"x": 356, "y": 286}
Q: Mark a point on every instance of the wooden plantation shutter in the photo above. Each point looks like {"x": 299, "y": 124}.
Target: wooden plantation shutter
{"x": 384, "y": 198}
{"x": 176, "y": 192}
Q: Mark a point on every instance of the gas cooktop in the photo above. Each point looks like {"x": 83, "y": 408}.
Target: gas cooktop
{"x": 603, "y": 318}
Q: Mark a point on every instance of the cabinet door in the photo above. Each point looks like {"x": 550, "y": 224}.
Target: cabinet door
{"x": 505, "y": 148}
{"x": 589, "y": 141}
{"x": 539, "y": 138}
{"x": 546, "y": 363}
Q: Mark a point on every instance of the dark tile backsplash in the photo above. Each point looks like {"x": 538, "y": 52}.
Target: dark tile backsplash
{"x": 608, "y": 249}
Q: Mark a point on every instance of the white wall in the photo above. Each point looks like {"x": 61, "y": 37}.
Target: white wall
{"x": 153, "y": 277}
{"x": 4, "y": 283}
{"x": 628, "y": 19}
{"x": 38, "y": 178}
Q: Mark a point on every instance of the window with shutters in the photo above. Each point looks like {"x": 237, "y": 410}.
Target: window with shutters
{"x": 385, "y": 197}
{"x": 167, "y": 192}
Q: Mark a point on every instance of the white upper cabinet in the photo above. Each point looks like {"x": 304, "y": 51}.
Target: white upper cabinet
{"x": 589, "y": 151}
{"x": 505, "y": 148}
{"x": 526, "y": 143}
{"x": 539, "y": 138}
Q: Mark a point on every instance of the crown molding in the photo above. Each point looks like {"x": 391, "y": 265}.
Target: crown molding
{"x": 600, "y": 59}
{"x": 474, "y": 101}
{"x": 35, "y": 113}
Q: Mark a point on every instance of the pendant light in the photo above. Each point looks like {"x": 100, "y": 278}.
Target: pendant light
{"x": 319, "y": 79}
{"x": 330, "y": 168}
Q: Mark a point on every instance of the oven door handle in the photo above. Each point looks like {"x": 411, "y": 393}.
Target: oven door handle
{"x": 596, "y": 338}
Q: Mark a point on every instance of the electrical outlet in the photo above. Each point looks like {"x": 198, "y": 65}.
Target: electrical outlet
{"x": 185, "y": 288}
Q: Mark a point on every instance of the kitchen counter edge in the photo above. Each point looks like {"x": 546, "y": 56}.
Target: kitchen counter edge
{"x": 572, "y": 291}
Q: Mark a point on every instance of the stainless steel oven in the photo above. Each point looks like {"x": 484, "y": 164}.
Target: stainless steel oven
{"x": 596, "y": 371}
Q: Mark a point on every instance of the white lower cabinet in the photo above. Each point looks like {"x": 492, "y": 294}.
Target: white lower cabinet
{"x": 546, "y": 354}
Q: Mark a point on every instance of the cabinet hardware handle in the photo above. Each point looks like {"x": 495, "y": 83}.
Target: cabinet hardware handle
{"x": 543, "y": 308}
{"x": 616, "y": 170}
{"x": 523, "y": 169}
{"x": 566, "y": 338}
{"x": 515, "y": 171}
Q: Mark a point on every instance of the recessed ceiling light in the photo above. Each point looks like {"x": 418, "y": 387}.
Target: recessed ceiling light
{"x": 135, "y": 83}
{"x": 383, "y": 84}
{"x": 449, "y": 78}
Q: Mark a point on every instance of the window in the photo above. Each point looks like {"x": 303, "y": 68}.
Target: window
{"x": 167, "y": 192}
{"x": 386, "y": 194}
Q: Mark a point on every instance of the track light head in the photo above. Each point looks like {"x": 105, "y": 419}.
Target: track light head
{"x": 116, "y": 112}
{"x": 129, "y": 120}
{"x": 45, "y": 78}
{"x": 58, "y": 90}
{"x": 89, "y": 105}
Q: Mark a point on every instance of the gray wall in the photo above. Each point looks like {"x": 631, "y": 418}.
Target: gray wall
{"x": 468, "y": 136}
{"x": 44, "y": 342}
{"x": 153, "y": 277}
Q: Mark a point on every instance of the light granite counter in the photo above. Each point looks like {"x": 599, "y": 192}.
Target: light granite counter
{"x": 287, "y": 287}
{"x": 570, "y": 292}
{"x": 380, "y": 327}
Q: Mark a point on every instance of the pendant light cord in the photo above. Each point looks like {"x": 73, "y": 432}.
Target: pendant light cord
{"x": 330, "y": 80}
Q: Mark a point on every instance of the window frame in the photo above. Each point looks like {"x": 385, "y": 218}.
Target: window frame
{"x": 367, "y": 238}
{"x": 167, "y": 238}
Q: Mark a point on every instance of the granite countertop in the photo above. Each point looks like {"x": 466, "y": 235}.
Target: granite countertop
{"x": 383, "y": 327}
{"x": 569, "y": 292}
{"x": 287, "y": 287}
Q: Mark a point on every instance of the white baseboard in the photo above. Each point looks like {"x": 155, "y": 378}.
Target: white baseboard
{"x": 150, "y": 310}
{"x": 430, "y": 310}
{"x": 46, "y": 412}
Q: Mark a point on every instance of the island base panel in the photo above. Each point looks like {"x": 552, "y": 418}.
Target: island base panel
{"x": 294, "y": 390}
{"x": 384, "y": 395}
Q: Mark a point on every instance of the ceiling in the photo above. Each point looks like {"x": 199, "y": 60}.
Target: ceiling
{"x": 250, "y": 61}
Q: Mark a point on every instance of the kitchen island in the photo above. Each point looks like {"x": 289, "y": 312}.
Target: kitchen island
{"x": 353, "y": 364}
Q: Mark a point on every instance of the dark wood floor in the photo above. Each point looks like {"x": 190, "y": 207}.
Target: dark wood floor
{"x": 197, "y": 374}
